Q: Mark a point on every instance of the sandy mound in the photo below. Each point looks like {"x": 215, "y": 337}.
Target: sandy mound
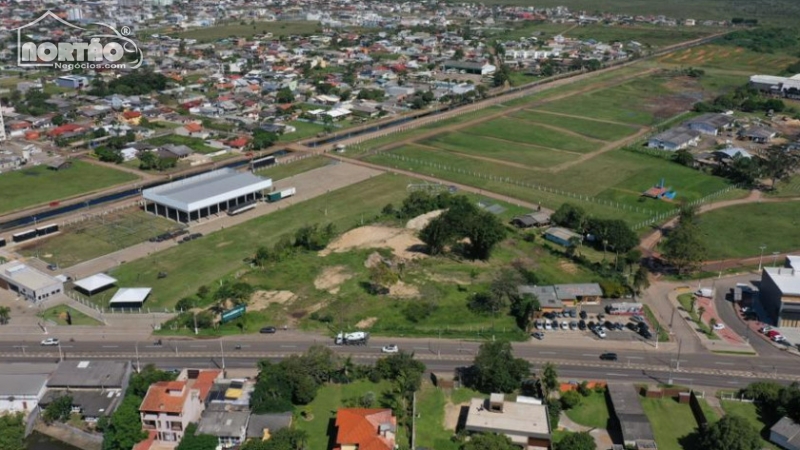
{"x": 403, "y": 243}
{"x": 262, "y": 299}
{"x": 366, "y": 323}
{"x": 419, "y": 222}
{"x": 373, "y": 260}
{"x": 403, "y": 290}
{"x": 331, "y": 278}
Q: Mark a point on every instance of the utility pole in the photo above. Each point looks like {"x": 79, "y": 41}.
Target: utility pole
{"x": 222, "y": 351}
{"x": 138, "y": 368}
{"x": 678, "y": 362}
{"x": 761, "y": 258}
{"x": 775, "y": 258}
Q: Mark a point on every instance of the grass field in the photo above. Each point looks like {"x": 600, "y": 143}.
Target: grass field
{"x": 286, "y": 170}
{"x": 750, "y": 412}
{"x": 36, "y": 185}
{"x": 58, "y": 315}
{"x": 592, "y": 411}
{"x": 195, "y": 144}
{"x": 731, "y": 59}
{"x": 644, "y": 34}
{"x": 431, "y": 432}
{"x": 507, "y": 129}
{"x": 237, "y": 30}
{"x": 738, "y": 231}
{"x": 305, "y": 130}
{"x": 98, "y": 237}
{"x": 328, "y": 400}
{"x": 673, "y": 423}
{"x": 590, "y": 128}
{"x": 519, "y": 153}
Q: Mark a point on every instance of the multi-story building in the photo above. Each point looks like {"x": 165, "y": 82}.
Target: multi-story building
{"x": 170, "y": 406}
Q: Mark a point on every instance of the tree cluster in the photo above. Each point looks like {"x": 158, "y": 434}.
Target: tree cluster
{"x": 376, "y": 95}
{"x": 309, "y": 238}
{"x": 743, "y": 98}
{"x": 464, "y": 220}
{"x": 262, "y": 139}
{"x": 193, "y": 441}
{"x": 284, "y": 439}
{"x": 577, "y": 441}
{"x": 775, "y": 400}
{"x": 495, "y": 369}
{"x": 612, "y": 234}
{"x": 418, "y": 203}
{"x": 151, "y": 161}
{"x": 139, "y": 82}
{"x": 489, "y": 441}
{"x": 731, "y": 433}
{"x": 58, "y": 410}
{"x": 684, "y": 248}
{"x": 34, "y": 102}
{"x": 763, "y": 40}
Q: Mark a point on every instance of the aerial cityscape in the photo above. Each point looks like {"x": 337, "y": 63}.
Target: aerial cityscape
{"x": 439, "y": 225}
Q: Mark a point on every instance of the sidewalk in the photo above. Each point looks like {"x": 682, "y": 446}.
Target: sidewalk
{"x": 729, "y": 341}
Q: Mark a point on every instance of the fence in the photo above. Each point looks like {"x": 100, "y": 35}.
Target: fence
{"x": 102, "y": 310}
{"x": 666, "y": 215}
{"x": 88, "y": 217}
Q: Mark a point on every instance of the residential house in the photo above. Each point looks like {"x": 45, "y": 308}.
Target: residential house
{"x": 471, "y": 67}
{"x": 548, "y": 299}
{"x": 761, "y": 135}
{"x": 365, "y": 429}
{"x": 192, "y": 129}
{"x": 534, "y": 219}
{"x": 131, "y": 117}
{"x": 711, "y": 123}
{"x": 229, "y": 427}
{"x": 786, "y": 434}
{"x": 174, "y": 151}
{"x": 675, "y": 139}
{"x": 524, "y": 421}
{"x": 169, "y": 406}
{"x": 263, "y": 426}
{"x": 571, "y": 294}
{"x": 59, "y": 164}
{"x": 729, "y": 154}
{"x": 561, "y": 236}
{"x": 96, "y": 386}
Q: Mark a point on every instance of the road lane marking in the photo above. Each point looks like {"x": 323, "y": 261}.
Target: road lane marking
{"x": 198, "y": 346}
{"x": 733, "y": 382}
{"x": 111, "y": 346}
{"x": 547, "y": 353}
{"x": 288, "y": 346}
{"x": 617, "y": 374}
{"x": 635, "y": 357}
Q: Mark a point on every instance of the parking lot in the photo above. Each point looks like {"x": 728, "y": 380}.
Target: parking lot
{"x": 614, "y": 327}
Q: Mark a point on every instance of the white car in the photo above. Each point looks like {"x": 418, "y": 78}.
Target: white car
{"x": 719, "y": 326}
{"x": 564, "y": 325}
{"x": 766, "y": 329}
{"x": 391, "y": 348}
{"x": 548, "y": 326}
{"x": 600, "y": 332}
{"x": 50, "y": 341}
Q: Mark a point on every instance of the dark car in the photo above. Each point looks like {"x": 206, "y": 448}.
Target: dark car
{"x": 632, "y": 326}
{"x": 608, "y": 325}
{"x": 555, "y": 325}
{"x": 619, "y": 327}
{"x": 550, "y": 315}
{"x": 572, "y": 313}
{"x": 590, "y": 325}
{"x": 583, "y": 315}
{"x": 268, "y": 330}
{"x": 196, "y": 235}
{"x": 582, "y": 325}
{"x": 643, "y": 326}
{"x": 608, "y": 356}
{"x": 645, "y": 334}
{"x": 538, "y": 335}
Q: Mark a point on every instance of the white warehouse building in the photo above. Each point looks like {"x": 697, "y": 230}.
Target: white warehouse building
{"x": 205, "y": 194}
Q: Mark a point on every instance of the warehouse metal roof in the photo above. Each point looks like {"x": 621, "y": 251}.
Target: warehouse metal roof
{"x": 211, "y": 188}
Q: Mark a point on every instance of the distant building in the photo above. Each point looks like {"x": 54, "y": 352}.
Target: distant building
{"x": 23, "y": 385}
{"x": 675, "y": 139}
{"x": 761, "y": 135}
{"x": 534, "y": 219}
{"x": 788, "y": 87}
{"x": 72, "y": 82}
{"x": 711, "y": 123}
{"x": 561, "y": 236}
{"x": 263, "y": 426}
{"x": 780, "y": 295}
{"x": 525, "y": 423}
{"x": 471, "y": 67}
{"x": 628, "y": 415}
{"x": 229, "y": 427}
{"x": 96, "y": 387}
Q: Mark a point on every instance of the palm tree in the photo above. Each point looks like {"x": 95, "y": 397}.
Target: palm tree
{"x": 5, "y": 314}
{"x": 712, "y": 323}
{"x": 693, "y": 303}
{"x": 700, "y": 311}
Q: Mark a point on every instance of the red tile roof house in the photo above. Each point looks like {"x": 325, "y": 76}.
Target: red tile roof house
{"x": 365, "y": 429}
{"x": 169, "y": 406}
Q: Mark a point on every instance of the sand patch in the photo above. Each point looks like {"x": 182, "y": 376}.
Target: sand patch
{"x": 262, "y": 299}
{"x": 403, "y": 290}
{"x": 568, "y": 267}
{"x": 366, "y": 323}
{"x": 451, "y": 414}
{"x": 421, "y": 221}
{"x": 403, "y": 242}
{"x": 331, "y": 278}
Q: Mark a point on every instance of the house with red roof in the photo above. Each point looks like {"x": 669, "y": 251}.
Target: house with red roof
{"x": 170, "y": 406}
{"x": 365, "y": 429}
{"x": 67, "y": 128}
{"x": 131, "y": 117}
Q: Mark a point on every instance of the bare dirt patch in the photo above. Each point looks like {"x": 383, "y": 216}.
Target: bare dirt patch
{"x": 262, "y": 299}
{"x": 451, "y": 414}
{"x": 403, "y": 242}
{"x": 366, "y": 323}
{"x": 403, "y": 290}
{"x": 421, "y": 221}
{"x": 568, "y": 267}
{"x": 331, "y": 278}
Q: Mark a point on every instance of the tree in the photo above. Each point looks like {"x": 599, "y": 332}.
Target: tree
{"x": 402, "y": 367}
{"x": 489, "y": 441}
{"x": 437, "y": 234}
{"x": 58, "y": 410}
{"x": 5, "y": 315}
{"x": 147, "y": 160}
{"x": 577, "y": 441}
{"x": 570, "y": 216}
{"x": 12, "y": 432}
{"x": 570, "y": 399}
{"x": 284, "y": 95}
{"x": 192, "y": 441}
{"x": 683, "y": 157}
{"x": 57, "y": 120}
{"x": 283, "y": 439}
{"x": 381, "y": 278}
{"x": 496, "y": 369}
{"x": 641, "y": 280}
{"x": 484, "y": 231}
{"x": 684, "y": 248}
{"x": 458, "y": 54}
{"x": 731, "y": 433}
{"x": 549, "y": 377}
{"x": 522, "y": 308}
{"x": 693, "y": 303}
{"x": 712, "y": 323}
{"x": 486, "y": 303}
{"x": 262, "y": 139}
{"x": 124, "y": 428}
{"x": 779, "y": 164}
{"x": 327, "y": 123}
{"x": 149, "y": 374}
{"x": 700, "y": 311}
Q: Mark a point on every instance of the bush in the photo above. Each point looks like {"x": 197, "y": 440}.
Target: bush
{"x": 570, "y": 399}
{"x": 583, "y": 389}
{"x": 554, "y": 411}
{"x": 417, "y": 311}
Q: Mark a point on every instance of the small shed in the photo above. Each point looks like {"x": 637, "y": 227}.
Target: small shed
{"x": 95, "y": 283}
{"x": 129, "y": 298}
{"x": 561, "y": 236}
{"x": 59, "y": 164}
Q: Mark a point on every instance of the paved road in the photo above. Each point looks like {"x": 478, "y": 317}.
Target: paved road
{"x": 711, "y": 367}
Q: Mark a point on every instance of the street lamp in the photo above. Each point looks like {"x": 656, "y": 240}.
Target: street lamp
{"x": 761, "y": 258}
{"x": 775, "y": 258}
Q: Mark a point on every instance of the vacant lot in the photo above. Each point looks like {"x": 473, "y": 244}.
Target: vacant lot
{"x": 673, "y": 423}
{"x": 607, "y": 131}
{"x": 193, "y": 143}
{"x": 731, "y": 59}
{"x": 248, "y": 30}
{"x": 529, "y": 155}
{"x": 644, "y": 34}
{"x": 592, "y": 411}
{"x": 36, "y": 185}
{"x": 739, "y": 231}
{"x": 58, "y": 315}
{"x": 514, "y": 130}
{"x": 98, "y": 237}
{"x": 286, "y": 170}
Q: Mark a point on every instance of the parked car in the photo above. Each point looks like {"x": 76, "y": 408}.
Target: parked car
{"x": 646, "y": 334}
{"x": 778, "y": 338}
{"x": 608, "y": 356}
{"x": 591, "y": 325}
{"x": 582, "y": 325}
{"x": 608, "y": 325}
{"x": 600, "y": 332}
{"x": 572, "y": 313}
{"x": 618, "y": 326}
{"x": 564, "y": 325}
{"x": 50, "y": 341}
{"x": 719, "y": 326}
{"x": 538, "y": 335}
{"x": 548, "y": 325}
{"x": 766, "y": 329}
{"x": 550, "y": 315}
{"x": 637, "y": 319}
{"x": 538, "y": 325}
{"x": 268, "y": 330}
{"x": 583, "y": 315}
{"x": 555, "y": 324}
{"x": 632, "y": 326}
{"x": 573, "y": 325}
{"x": 391, "y": 348}
{"x": 772, "y": 333}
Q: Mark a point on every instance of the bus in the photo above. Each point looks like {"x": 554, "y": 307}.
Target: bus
{"x": 23, "y": 236}
{"x": 47, "y": 229}
{"x": 238, "y": 209}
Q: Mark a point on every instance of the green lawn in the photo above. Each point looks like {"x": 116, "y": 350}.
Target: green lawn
{"x": 431, "y": 432}
{"x": 37, "y": 185}
{"x": 304, "y": 130}
{"x": 507, "y": 129}
{"x": 518, "y": 153}
{"x": 94, "y": 238}
{"x": 592, "y": 411}
{"x": 673, "y": 423}
{"x": 750, "y": 412}
{"x": 738, "y": 231}
{"x": 281, "y": 171}
{"x": 729, "y": 58}
{"x": 194, "y": 143}
{"x": 788, "y": 188}
{"x": 58, "y": 315}
{"x": 644, "y": 34}
{"x": 587, "y": 127}
{"x": 237, "y": 30}
{"x": 329, "y": 399}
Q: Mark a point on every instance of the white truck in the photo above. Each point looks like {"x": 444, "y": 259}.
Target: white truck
{"x": 355, "y": 338}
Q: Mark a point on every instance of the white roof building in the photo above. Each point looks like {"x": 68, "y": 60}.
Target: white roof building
{"x": 29, "y": 282}
{"x": 133, "y": 297}
{"x": 95, "y": 282}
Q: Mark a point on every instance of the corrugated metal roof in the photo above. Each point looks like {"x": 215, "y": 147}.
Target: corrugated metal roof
{"x": 206, "y": 189}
